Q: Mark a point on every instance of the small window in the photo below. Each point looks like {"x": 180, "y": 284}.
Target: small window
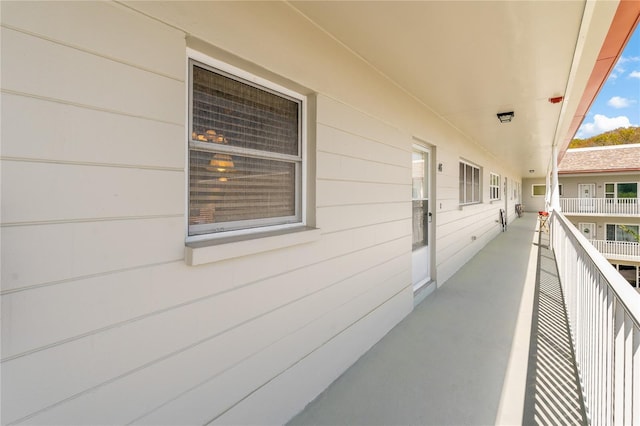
{"x": 245, "y": 153}
{"x": 469, "y": 183}
{"x": 540, "y": 190}
{"x": 494, "y": 186}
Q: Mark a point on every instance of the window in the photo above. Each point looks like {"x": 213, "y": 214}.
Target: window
{"x": 469, "y": 183}
{"x": 245, "y": 153}
{"x": 630, "y": 272}
{"x": 494, "y": 186}
{"x": 540, "y": 190}
{"x": 618, "y": 232}
{"x": 621, "y": 190}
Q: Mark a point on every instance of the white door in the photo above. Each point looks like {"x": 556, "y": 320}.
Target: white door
{"x": 587, "y": 193}
{"x": 588, "y": 230}
{"x": 421, "y": 257}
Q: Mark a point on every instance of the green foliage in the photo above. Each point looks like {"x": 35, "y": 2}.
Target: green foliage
{"x": 621, "y": 136}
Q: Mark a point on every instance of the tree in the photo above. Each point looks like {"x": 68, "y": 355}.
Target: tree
{"x": 621, "y": 136}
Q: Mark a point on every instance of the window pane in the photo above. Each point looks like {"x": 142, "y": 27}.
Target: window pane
{"x": 627, "y": 190}
{"x": 539, "y": 189}
{"x": 417, "y": 174}
{"x": 468, "y": 185}
{"x": 630, "y": 273}
{"x": 419, "y": 229}
{"x": 476, "y": 184}
{"x": 462, "y": 199}
{"x": 608, "y": 188}
{"x": 611, "y": 232}
{"x": 626, "y": 233}
{"x": 231, "y": 112}
{"x": 225, "y": 188}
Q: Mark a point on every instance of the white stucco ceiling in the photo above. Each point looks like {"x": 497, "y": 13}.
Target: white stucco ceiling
{"x": 470, "y": 60}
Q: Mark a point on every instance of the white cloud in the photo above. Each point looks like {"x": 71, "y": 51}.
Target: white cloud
{"x": 634, "y": 74}
{"x": 601, "y": 124}
{"x": 618, "y": 69}
{"x": 625, "y": 59}
{"x": 618, "y": 102}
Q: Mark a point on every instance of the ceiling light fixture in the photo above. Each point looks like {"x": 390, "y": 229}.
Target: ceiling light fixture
{"x": 505, "y": 117}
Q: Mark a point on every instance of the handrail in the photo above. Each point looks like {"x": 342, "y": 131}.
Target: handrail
{"x": 604, "y": 206}
{"x": 619, "y": 248}
{"x": 604, "y": 318}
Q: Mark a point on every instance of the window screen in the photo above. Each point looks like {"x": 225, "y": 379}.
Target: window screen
{"x": 245, "y": 159}
{"x": 469, "y": 183}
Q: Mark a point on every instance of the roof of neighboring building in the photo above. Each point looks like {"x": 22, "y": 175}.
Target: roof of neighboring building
{"x": 615, "y": 158}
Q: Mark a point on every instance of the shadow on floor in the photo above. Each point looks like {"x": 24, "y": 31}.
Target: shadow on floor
{"x": 553, "y": 395}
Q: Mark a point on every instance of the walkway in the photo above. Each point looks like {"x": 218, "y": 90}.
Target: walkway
{"x": 460, "y": 358}
{"x": 553, "y": 395}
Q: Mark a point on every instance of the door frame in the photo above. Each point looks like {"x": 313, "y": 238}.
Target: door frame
{"x": 591, "y": 225}
{"x": 430, "y": 285}
{"x": 587, "y": 206}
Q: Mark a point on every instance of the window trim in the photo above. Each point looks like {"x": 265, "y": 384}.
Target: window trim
{"x": 252, "y": 79}
{"x": 495, "y": 187}
{"x": 480, "y": 177}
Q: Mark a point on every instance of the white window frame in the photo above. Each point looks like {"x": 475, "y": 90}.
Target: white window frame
{"x": 473, "y": 200}
{"x": 545, "y": 189}
{"x": 615, "y": 189}
{"x": 301, "y": 180}
{"x": 494, "y": 186}
{"x": 606, "y": 229}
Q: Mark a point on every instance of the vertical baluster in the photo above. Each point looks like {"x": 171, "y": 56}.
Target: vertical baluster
{"x": 618, "y": 365}
{"x": 628, "y": 369}
{"x": 586, "y": 336}
{"x": 600, "y": 385}
{"x": 635, "y": 400}
{"x": 608, "y": 405}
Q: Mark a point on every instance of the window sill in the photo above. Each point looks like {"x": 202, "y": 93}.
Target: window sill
{"x": 216, "y": 250}
{"x": 464, "y": 206}
{"x": 495, "y": 201}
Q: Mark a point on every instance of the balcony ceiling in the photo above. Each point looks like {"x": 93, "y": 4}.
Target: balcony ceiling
{"x": 465, "y": 60}
{"x": 468, "y": 61}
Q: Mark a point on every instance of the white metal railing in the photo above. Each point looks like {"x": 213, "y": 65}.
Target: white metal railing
{"x": 620, "y": 249}
{"x": 604, "y": 318}
{"x": 601, "y": 206}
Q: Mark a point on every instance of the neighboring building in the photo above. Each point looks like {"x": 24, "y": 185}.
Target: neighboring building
{"x": 210, "y": 210}
{"x": 599, "y": 195}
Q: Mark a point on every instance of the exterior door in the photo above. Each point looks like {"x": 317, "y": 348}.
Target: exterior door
{"x": 588, "y": 230}
{"x": 421, "y": 222}
{"x": 587, "y": 193}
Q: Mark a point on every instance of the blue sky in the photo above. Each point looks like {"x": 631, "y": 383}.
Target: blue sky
{"x": 618, "y": 103}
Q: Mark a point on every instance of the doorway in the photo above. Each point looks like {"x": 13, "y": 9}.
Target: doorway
{"x": 587, "y": 193}
{"x": 588, "y": 230}
{"x": 421, "y": 217}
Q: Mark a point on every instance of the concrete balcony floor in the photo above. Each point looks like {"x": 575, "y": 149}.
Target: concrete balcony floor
{"x": 462, "y": 356}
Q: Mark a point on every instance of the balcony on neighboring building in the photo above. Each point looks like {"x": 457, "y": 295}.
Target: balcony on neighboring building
{"x": 600, "y": 206}
{"x": 537, "y": 328}
{"x": 618, "y": 250}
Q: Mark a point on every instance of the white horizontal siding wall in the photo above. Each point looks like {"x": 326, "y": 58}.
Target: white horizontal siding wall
{"x": 102, "y": 321}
